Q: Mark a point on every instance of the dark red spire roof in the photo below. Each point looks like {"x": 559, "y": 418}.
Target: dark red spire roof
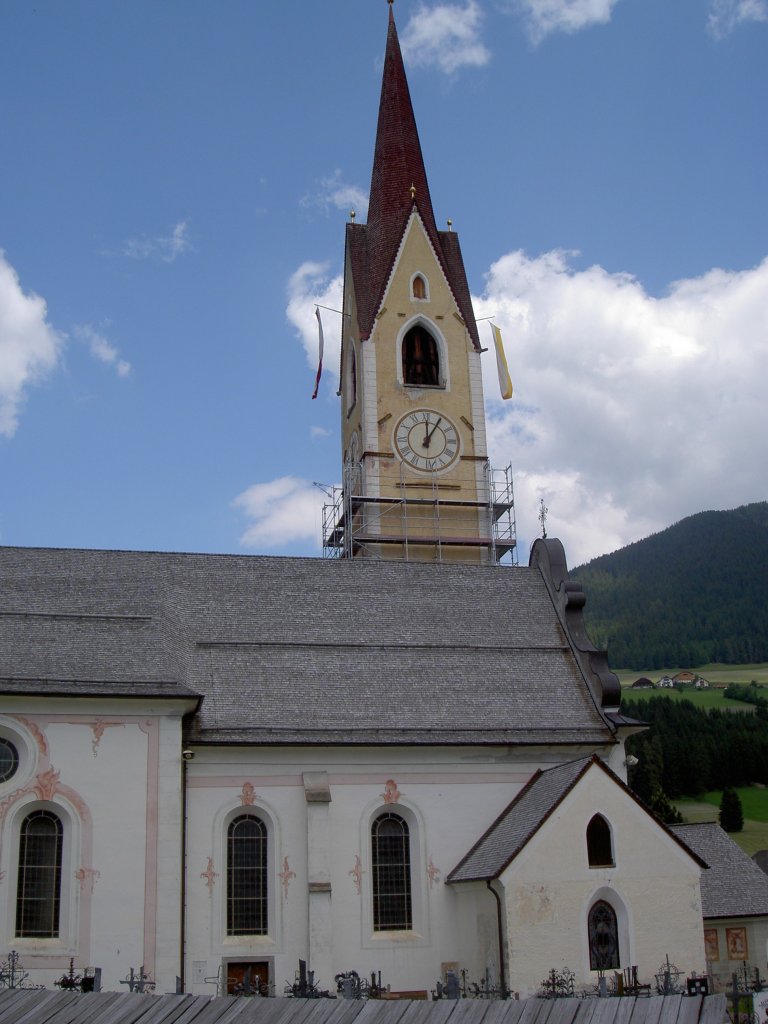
{"x": 398, "y": 183}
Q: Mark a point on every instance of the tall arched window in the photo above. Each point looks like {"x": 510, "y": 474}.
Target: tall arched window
{"x": 38, "y": 894}
{"x": 599, "y": 844}
{"x": 419, "y": 287}
{"x": 421, "y": 360}
{"x": 391, "y": 874}
{"x": 247, "y": 876}
{"x": 603, "y": 937}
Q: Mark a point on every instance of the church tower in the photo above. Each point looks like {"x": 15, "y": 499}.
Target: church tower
{"x": 417, "y": 482}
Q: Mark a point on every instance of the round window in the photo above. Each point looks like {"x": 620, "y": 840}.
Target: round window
{"x": 9, "y": 759}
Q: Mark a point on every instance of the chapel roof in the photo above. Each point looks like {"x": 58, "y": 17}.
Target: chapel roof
{"x": 399, "y": 186}
{"x": 524, "y": 816}
{"x": 734, "y": 886}
{"x": 302, "y": 650}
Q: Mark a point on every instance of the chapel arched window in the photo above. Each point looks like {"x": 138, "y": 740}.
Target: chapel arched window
{"x": 421, "y": 359}
{"x": 247, "y": 895}
{"x": 599, "y": 843}
{"x": 391, "y": 873}
{"x": 603, "y": 937}
{"x": 419, "y": 287}
{"x": 38, "y": 892}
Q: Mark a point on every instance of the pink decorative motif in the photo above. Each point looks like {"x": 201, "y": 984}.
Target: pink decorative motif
{"x": 87, "y": 877}
{"x": 248, "y": 794}
{"x": 210, "y": 876}
{"x": 391, "y": 793}
{"x": 285, "y": 877}
{"x": 433, "y": 873}
{"x": 357, "y": 873}
{"x": 36, "y": 731}
{"x": 98, "y": 728}
{"x": 46, "y": 784}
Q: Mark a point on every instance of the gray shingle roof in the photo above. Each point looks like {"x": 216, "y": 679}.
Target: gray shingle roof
{"x": 518, "y": 822}
{"x": 298, "y": 649}
{"x": 522, "y": 818}
{"x": 734, "y": 886}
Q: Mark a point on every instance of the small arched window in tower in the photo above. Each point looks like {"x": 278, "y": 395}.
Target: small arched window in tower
{"x": 247, "y": 876}
{"x": 391, "y": 874}
{"x": 603, "y": 937}
{"x": 599, "y": 843}
{"x": 421, "y": 360}
{"x": 419, "y": 287}
{"x": 351, "y": 375}
{"x": 38, "y": 894}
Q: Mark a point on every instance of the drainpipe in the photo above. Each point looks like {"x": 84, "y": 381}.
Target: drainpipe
{"x": 186, "y": 755}
{"x": 500, "y": 921}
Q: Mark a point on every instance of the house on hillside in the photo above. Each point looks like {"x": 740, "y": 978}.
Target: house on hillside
{"x": 643, "y": 683}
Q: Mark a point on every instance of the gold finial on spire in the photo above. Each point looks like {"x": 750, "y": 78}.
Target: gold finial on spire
{"x": 413, "y": 191}
{"x": 352, "y": 216}
{"x": 450, "y": 224}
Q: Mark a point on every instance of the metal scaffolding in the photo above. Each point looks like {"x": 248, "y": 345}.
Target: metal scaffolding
{"x": 427, "y": 519}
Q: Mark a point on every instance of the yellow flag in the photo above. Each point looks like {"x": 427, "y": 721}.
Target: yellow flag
{"x": 505, "y": 381}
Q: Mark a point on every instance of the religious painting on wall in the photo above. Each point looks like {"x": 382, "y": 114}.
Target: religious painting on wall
{"x": 711, "y": 944}
{"x": 736, "y": 941}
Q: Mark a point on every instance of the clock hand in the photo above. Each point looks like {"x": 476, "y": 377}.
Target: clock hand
{"x": 428, "y": 438}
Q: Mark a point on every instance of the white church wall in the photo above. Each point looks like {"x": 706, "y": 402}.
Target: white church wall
{"x": 448, "y": 797}
{"x": 104, "y": 769}
{"x": 550, "y": 887}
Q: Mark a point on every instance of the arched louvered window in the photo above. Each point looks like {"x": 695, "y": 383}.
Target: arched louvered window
{"x": 421, "y": 360}
{"x": 391, "y": 874}
{"x": 599, "y": 843}
{"x": 38, "y": 893}
{"x": 603, "y": 937}
{"x": 247, "y": 876}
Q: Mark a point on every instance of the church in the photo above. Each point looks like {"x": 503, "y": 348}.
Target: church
{"x": 406, "y": 760}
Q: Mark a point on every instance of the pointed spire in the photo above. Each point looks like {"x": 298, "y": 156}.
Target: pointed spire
{"x": 398, "y": 177}
{"x": 398, "y": 186}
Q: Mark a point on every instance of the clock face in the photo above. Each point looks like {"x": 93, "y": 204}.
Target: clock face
{"x": 426, "y": 440}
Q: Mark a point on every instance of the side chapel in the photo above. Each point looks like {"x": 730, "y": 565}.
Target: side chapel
{"x": 407, "y": 760}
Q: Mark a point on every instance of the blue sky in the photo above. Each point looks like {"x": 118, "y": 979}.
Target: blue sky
{"x": 174, "y": 183}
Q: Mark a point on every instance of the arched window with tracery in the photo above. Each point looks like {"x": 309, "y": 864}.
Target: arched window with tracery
{"x": 247, "y": 889}
{"x": 599, "y": 843}
{"x": 38, "y": 893}
{"x": 421, "y": 358}
{"x": 603, "y": 932}
{"x": 391, "y": 873}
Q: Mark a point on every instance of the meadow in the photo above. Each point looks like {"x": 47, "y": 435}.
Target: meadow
{"x": 754, "y": 803}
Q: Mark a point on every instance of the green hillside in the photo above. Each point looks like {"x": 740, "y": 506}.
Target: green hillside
{"x": 694, "y": 593}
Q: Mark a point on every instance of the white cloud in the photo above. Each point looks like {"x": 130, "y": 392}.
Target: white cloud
{"x": 29, "y": 346}
{"x": 319, "y": 433}
{"x": 630, "y": 412}
{"x": 281, "y": 512}
{"x": 544, "y": 16}
{"x": 102, "y": 349}
{"x": 163, "y": 247}
{"x": 333, "y": 192}
{"x": 726, "y": 15}
{"x": 309, "y": 286}
{"x": 446, "y": 35}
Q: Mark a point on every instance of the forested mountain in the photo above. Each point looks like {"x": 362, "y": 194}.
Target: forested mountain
{"x": 694, "y": 593}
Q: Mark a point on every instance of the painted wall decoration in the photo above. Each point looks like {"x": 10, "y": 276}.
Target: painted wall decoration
{"x": 285, "y": 876}
{"x": 210, "y": 876}
{"x": 247, "y": 794}
{"x": 98, "y": 728}
{"x": 87, "y": 877}
{"x": 711, "y": 944}
{"x": 391, "y": 793}
{"x": 357, "y": 873}
{"x": 433, "y": 873}
{"x": 736, "y": 943}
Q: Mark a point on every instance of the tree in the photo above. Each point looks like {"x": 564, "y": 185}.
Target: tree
{"x": 731, "y": 813}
